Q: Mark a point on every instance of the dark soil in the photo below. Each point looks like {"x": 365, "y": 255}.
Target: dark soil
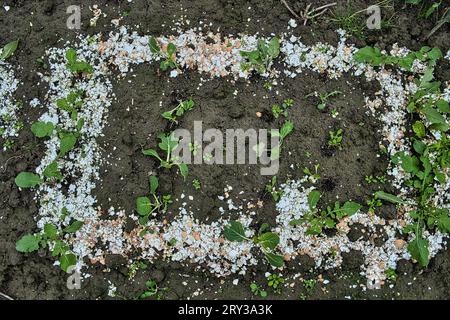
{"x": 33, "y": 276}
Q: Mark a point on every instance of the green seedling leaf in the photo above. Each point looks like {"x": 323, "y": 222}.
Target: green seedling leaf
{"x": 274, "y": 259}
{"x": 184, "y": 170}
{"x": 67, "y": 260}
{"x": 443, "y": 106}
{"x": 154, "y": 46}
{"x": 388, "y": 197}
{"x": 434, "y": 116}
{"x": 151, "y": 152}
{"x": 274, "y": 47}
{"x": 153, "y": 184}
{"x": 268, "y": 240}
{"x": 52, "y": 171}
{"x": 234, "y": 232}
{"x": 143, "y": 206}
{"x": 419, "y": 129}
{"x": 42, "y": 129}
{"x": 74, "y": 227}
{"x": 50, "y": 231}
{"x": 350, "y": 208}
{"x": 313, "y": 199}
{"x": 27, "y": 180}
{"x": 418, "y": 248}
{"x": 71, "y": 56}
{"x": 67, "y": 143}
{"x": 8, "y": 50}
{"x": 28, "y": 243}
{"x": 369, "y": 55}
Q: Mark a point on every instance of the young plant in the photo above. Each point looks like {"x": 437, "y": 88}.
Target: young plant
{"x": 282, "y": 110}
{"x": 257, "y": 290}
{"x": 77, "y": 67}
{"x": 312, "y": 177}
{"x": 168, "y": 56}
{"x": 309, "y": 284}
{"x": 326, "y": 219}
{"x": 50, "y": 238}
{"x": 324, "y": 98}
{"x": 178, "y": 111}
{"x": 134, "y": 267}
{"x": 196, "y": 184}
{"x": 272, "y": 189}
{"x": 285, "y": 130}
{"x": 335, "y": 139}
{"x": 274, "y": 281}
{"x": 168, "y": 144}
{"x": 267, "y": 241}
{"x": 152, "y": 290}
{"x": 72, "y": 103}
{"x": 262, "y": 58}
{"x": 147, "y": 207}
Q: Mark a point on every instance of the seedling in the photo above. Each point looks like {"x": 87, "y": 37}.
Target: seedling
{"x": 267, "y": 241}
{"x": 275, "y": 281}
{"x": 272, "y": 189}
{"x": 168, "y": 55}
{"x": 257, "y": 290}
{"x": 282, "y": 110}
{"x": 335, "y": 139}
{"x": 50, "y": 238}
{"x": 76, "y": 66}
{"x": 373, "y": 204}
{"x": 391, "y": 275}
{"x": 134, "y": 267}
{"x": 323, "y": 97}
{"x": 309, "y": 284}
{"x": 262, "y": 58}
{"x": 194, "y": 147}
{"x": 72, "y": 103}
{"x": 312, "y": 177}
{"x": 152, "y": 290}
{"x": 147, "y": 207}
{"x": 168, "y": 144}
{"x": 325, "y": 219}
{"x": 178, "y": 111}
{"x": 286, "y": 129}
{"x": 196, "y": 184}
{"x": 8, "y": 50}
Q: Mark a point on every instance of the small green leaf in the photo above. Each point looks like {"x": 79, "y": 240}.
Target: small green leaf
{"x": 67, "y": 143}
{"x": 274, "y": 259}
{"x": 153, "y": 44}
{"x": 350, "y": 208}
{"x": 50, "y": 231}
{"x": 443, "y": 106}
{"x": 419, "y": 129}
{"x": 434, "y": 116}
{"x": 8, "y": 50}
{"x": 388, "y": 197}
{"x": 418, "y": 248}
{"x": 74, "y": 227}
{"x": 268, "y": 240}
{"x": 171, "y": 49}
{"x": 52, "y": 171}
{"x": 67, "y": 260}
{"x": 184, "y": 170}
{"x": 71, "y": 55}
{"x": 28, "y": 243}
{"x": 42, "y": 129}
{"x": 151, "y": 152}
{"x": 143, "y": 206}
{"x": 27, "y": 180}
{"x": 153, "y": 184}
{"x": 234, "y": 232}
{"x": 313, "y": 199}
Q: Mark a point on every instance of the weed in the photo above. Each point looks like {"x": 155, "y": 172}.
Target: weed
{"x": 272, "y": 189}
{"x": 335, "y": 139}
{"x": 262, "y": 58}
{"x": 51, "y": 238}
{"x": 168, "y": 55}
{"x": 147, "y": 207}
{"x": 323, "y": 97}
{"x": 312, "y": 177}
{"x": 257, "y": 290}
{"x": 76, "y": 66}
{"x": 373, "y": 204}
{"x": 152, "y": 290}
{"x": 275, "y": 281}
{"x": 267, "y": 241}
{"x": 196, "y": 184}
{"x": 72, "y": 103}
{"x": 168, "y": 144}
{"x": 326, "y": 219}
{"x": 391, "y": 274}
{"x": 285, "y": 130}
{"x": 309, "y": 284}
{"x": 179, "y": 110}
{"x": 194, "y": 147}
{"x": 134, "y": 267}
